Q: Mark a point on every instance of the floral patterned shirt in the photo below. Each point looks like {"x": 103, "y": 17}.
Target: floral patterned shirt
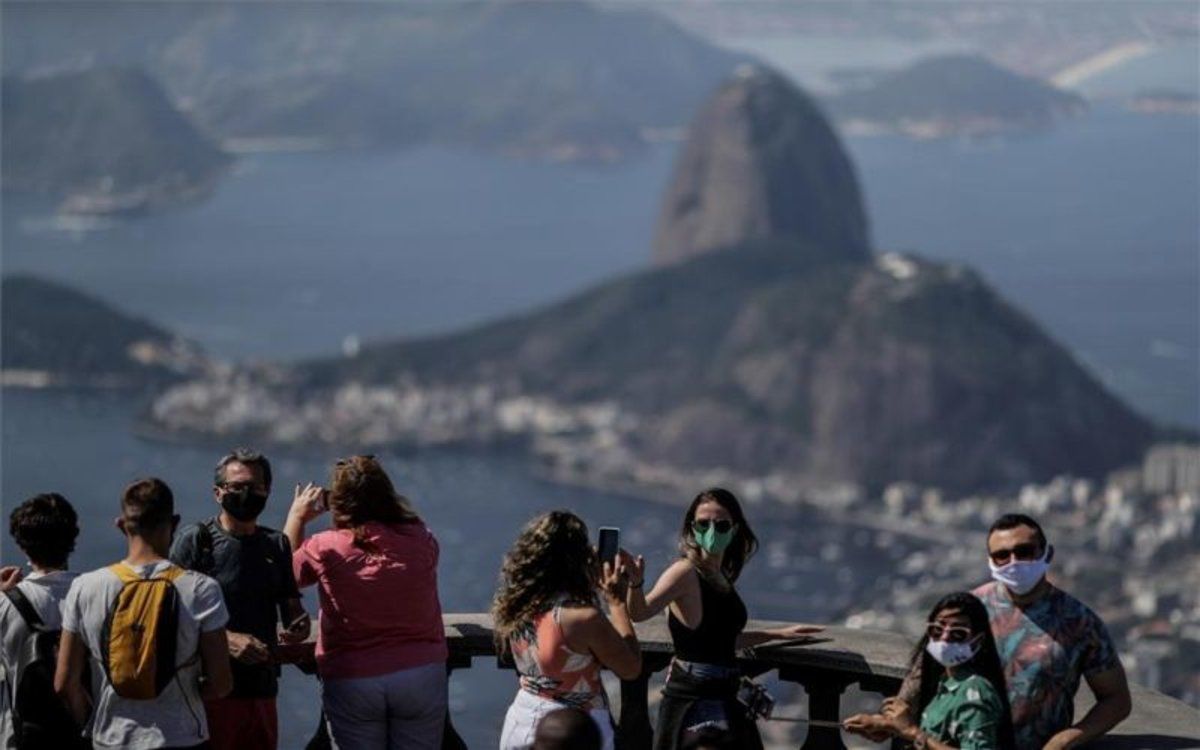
{"x": 1046, "y": 648}
{"x": 549, "y": 668}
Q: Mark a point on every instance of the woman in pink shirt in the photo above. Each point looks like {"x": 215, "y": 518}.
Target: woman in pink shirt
{"x": 381, "y": 647}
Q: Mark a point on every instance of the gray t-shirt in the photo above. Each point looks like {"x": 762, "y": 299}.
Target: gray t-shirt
{"x": 46, "y": 592}
{"x": 176, "y": 717}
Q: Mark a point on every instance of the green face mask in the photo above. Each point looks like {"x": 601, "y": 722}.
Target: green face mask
{"x": 712, "y": 541}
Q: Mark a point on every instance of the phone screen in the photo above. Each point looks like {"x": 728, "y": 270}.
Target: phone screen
{"x": 609, "y": 543}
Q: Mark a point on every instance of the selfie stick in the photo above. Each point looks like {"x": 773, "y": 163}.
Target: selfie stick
{"x": 810, "y": 722}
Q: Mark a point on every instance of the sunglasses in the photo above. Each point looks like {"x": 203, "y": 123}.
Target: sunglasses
{"x": 700, "y": 525}
{"x": 952, "y": 633}
{"x": 1027, "y": 551}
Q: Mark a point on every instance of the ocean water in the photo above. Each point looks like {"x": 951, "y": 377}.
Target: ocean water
{"x": 1091, "y": 228}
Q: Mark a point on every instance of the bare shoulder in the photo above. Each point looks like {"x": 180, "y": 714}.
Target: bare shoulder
{"x": 679, "y": 570}
{"x": 579, "y": 618}
{"x": 680, "y": 574}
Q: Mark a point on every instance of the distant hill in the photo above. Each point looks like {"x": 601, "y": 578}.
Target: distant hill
{"x": 776, "y": 355}
{"x": 55, "y": 335}
{"x": 953, "y": 95}
{"x": 110, "y": 134}
{"x": 563, "y": 79}
{"x": 761, "y": 163}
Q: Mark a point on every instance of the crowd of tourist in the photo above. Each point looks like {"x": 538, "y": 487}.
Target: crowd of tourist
{"x": 179, "y": 644}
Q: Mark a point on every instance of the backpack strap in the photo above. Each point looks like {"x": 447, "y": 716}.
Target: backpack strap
{"x": 26, "y": 609}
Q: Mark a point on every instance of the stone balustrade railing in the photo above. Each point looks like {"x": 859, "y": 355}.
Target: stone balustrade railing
{"x": 825, "y": 666}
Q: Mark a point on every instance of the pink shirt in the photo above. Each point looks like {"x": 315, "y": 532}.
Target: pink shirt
{"x": 379, "y": 610}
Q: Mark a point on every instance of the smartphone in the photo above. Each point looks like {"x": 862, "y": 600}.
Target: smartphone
{"x": 609, "y": 544}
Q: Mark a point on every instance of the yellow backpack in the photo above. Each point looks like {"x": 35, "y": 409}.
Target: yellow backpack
{"x": 140, "y": 633}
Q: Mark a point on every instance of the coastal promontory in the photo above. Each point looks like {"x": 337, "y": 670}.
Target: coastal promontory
{"x": 107, "y": 140}
{"x": 55, "y": 335}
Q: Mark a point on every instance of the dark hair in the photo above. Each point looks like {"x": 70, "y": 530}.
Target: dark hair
{"x": 248, "y": 458}
{"x": 552, "y": 557}
{"x": 567, "y": 729}
{"x": 147, "y": 505}
{"x": 1012, "y": 521}
{"x": 744, "y": 542}
{"x": 986, "y": 662}
{"x": 45, "y": 528}
{"x": 362, "y": 492}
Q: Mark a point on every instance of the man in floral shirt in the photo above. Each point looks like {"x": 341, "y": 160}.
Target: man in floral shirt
{"x": 1048, "y": 640}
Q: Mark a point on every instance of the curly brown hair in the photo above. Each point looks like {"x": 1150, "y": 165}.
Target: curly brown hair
{"x": 552, "y": 557}
{"x": 361, "y": 492}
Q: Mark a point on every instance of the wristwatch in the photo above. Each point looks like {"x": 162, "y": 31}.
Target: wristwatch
{"x": 921, "y": 741}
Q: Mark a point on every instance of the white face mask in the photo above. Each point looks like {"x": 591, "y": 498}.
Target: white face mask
{"x": 1021, "y": 576}
{"x": 952, "y": 654}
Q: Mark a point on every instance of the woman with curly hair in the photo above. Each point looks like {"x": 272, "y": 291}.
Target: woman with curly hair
{"x": 707, "y": 621}
{"x": 962, "y": 699}
{"x": 547, "y": 615}
{"x": 381, "y": 647}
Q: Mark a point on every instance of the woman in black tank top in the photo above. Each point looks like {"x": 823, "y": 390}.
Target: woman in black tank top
{"x": 707, "y": 620}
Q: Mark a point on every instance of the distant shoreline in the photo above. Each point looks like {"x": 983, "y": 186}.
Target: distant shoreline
{"x": 1075, "y": 74}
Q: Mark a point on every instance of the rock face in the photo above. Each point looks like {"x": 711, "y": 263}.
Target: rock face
{"x": 105, "y": 133}
{"x": 761, "y": 163}
{"x": 55, "y": 335}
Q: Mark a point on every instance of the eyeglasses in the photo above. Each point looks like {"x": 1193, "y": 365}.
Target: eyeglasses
{"x": 1027, "y": 551}
{"x": 700, "y": 525}
{"x": 952, "y": 633}
{"x": 237, "y": 486}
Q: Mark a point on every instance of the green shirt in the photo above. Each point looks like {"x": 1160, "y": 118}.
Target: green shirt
{"x": 965, "y": 713}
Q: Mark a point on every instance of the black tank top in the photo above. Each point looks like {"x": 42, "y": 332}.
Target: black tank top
{"x": 722, "y": 617}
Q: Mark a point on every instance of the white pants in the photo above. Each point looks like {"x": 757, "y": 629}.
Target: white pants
{"x": 527, "y": 709}
{"x": 403, "y": 710}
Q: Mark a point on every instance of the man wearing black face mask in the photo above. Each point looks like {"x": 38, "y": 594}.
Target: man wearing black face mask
{"x": 253, "y": 565}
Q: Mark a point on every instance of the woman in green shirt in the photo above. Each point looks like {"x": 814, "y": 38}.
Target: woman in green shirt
{"x": 963, "y": 700}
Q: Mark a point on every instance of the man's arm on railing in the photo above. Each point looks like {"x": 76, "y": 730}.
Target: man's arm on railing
{"x": 1113, "y": 704}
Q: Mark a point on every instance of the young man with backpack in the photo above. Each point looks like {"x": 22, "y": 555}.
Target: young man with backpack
{"x": 253, "y": 565}
{"x": 31, "y": 715}
{"x": 154, "y": 633}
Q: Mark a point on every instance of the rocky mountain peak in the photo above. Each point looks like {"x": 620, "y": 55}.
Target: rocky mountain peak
{"x": 761, "y": 163}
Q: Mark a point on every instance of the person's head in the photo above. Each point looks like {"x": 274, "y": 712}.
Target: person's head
{"x": 552, "y": 557}
{"x": 360, "y": 492}
{"x": 45, "y": 528}
{"x": 148, "y": 512}
{"x": 567, "y": 729}
{"x": 715, "y": 525}
{"x": 242, "y": 483}
{"x": 958, "y": 635}
{"x": 1018, "y": 553}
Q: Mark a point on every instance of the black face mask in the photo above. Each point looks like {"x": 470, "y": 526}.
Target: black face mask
{"x": 243, "y": 504}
